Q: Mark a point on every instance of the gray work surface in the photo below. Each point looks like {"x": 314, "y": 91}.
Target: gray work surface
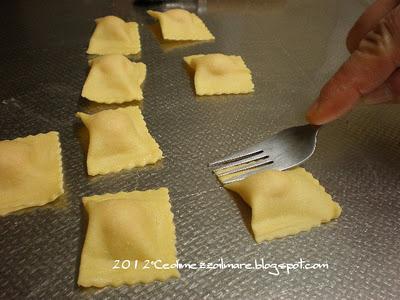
{"x": 292, "y": 48}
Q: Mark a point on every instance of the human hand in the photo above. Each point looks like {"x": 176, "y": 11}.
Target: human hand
{"x": 371, "y": 74}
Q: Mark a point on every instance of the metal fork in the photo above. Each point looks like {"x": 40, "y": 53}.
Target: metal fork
{"x": 281, "y": 151}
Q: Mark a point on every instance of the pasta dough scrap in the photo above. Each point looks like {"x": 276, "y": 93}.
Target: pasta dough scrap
{"x": 114, "y": 36}
{"x": 285, "y": 202}
{"x": 114, "y": 79}
{"x": 181, "y": 25}
{"x": 119, "y": 139}
{"x": 30, "y": 172}
{"x": 217, "y": 74}
{"x": 131, "y": 227}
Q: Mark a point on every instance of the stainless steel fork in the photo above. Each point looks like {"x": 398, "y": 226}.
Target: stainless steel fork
{"x": 281, "y": 151}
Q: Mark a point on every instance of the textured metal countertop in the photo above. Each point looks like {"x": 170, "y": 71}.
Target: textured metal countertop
{"x": 292, "y": 47}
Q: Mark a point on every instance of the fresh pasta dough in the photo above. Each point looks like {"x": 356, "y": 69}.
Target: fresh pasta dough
{"x": 119, "y": 139}
{"x": 217, "y": 74}
{"x": 126, "y": 232}
{"x": 114, "y": 36}
{"x": 179, "y": 25}
{"x": 30, "y": 172}
{"x": 285, "y": 202}
{"x": 114, "y": 79}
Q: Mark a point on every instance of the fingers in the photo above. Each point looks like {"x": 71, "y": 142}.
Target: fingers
{"x": 367, "y": 68}
{"x": 388, "y": 92}
{"x": 368, "y": 20}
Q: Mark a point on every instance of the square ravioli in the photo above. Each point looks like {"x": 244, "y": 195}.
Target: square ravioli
{"x": 114, "y": 79}
{"x": 126, "y": 233}
{"x": 181, "y": 25}
{"x": 217, "y": 74}
{"x": 285, "y": 202}
{"x": 30, "y": 172}
{"x": 114, "y": 36}
{"x": 119, "y": 140}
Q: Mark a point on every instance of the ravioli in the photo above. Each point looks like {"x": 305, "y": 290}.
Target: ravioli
{"x": 181, "y": 25}
{"x": 125, "y": 231}
{"x": 217, "y": 74}
{"x": 114, "y": 79}
{"x": 30, "y": 171}
{"x": 168, "y": 45}
{"x": 118, "y": 139}
{"x": 285, "y": 202}
{"x": 114, "y": 36}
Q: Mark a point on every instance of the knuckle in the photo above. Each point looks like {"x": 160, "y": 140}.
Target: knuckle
{"x": 384, "y": 39}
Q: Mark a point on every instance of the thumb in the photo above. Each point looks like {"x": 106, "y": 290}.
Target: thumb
{"x": 388, "y": 92}
{"x": 368, "y": 67}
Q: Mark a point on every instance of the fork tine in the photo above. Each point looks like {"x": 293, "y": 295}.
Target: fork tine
{"x": 247, "y": 174}
{"x": 257, "y": 163}
{"x": 288, "y": 148}
{"x": 245, "y": 160}
{"x": 242, "y": 154}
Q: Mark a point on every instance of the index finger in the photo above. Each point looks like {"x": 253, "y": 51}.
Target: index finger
{"x": 366, "y": 69}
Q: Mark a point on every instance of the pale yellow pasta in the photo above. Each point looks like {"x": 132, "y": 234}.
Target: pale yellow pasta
{"x": 126, "y": 232}
{"x": 119, "y": 139}
{"x": 114, "y": 36}
{"x": 179, "y": 25}
{"x": 114, "y": 79}
{"x": 285, "y": 203}
{"x": 30, "y": 172}
{"x": 217, "y": 74}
